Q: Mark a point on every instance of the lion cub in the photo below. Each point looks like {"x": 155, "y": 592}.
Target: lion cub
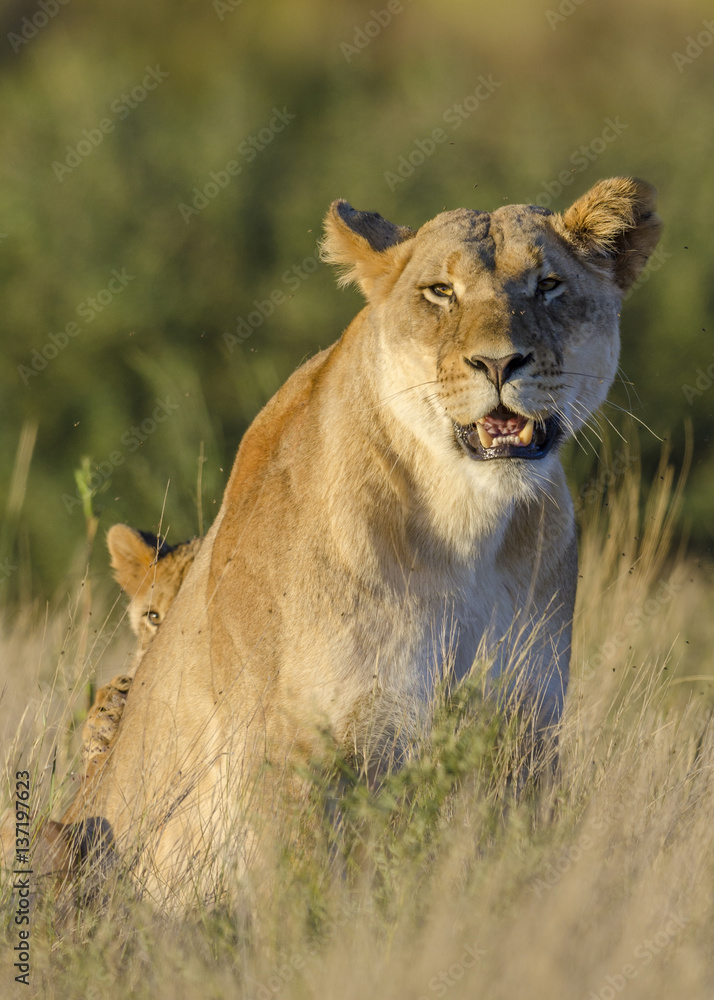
{"x": 151, "y": 572}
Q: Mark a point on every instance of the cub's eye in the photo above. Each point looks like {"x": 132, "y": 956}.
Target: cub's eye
{"x": 154, "y": 617}
{"x": 443, "y": 291}
{"x": 549, "y": 284}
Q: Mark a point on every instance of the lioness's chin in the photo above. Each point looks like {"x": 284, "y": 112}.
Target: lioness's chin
{"x": 534, "y": 441}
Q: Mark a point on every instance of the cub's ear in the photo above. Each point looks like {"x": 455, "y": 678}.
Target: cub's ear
{"x": 615, "y": 222}
{"x": 363, "y": 244}
{"x": 133, "y": 553}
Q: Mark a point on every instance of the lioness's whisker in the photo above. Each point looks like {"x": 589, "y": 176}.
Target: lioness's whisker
{"x": 619, "y": 434}
{"x": 571, "y": 427}
{"x": 400, "y": 392}
{"x": 622, "y": 409}
{"x": 583, "y": 437}
{"x": 598, "y": 377}
{"x": 578, "y": 407}
{"x": 544, "y": 491}
{"x": 621, "y": 376}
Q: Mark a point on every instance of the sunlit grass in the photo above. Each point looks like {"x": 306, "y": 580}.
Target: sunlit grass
{"x": 458, "y": 873}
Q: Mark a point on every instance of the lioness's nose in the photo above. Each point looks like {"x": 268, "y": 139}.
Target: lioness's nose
{"x": 499, "y": 370}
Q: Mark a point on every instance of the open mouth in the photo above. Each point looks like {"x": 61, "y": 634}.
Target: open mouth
{"x": 505, "y": 434}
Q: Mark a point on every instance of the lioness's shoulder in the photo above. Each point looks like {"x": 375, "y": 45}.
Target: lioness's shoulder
{"x": 280, "y": 419}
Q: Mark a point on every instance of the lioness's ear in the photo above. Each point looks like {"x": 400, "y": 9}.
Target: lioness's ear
{"x": 132, "y": 555}
{"x": 616, "y": 222}
{"x": 361, "y": 243}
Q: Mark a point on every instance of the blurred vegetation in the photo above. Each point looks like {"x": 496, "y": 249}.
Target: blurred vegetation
{"x": 351, "y": 112}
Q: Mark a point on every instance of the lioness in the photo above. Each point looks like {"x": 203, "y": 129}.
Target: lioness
{"x": 396, "y": 507}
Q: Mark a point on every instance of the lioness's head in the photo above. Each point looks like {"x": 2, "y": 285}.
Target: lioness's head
{"x": 151, "y": 573}
{"x": 500, "y": 329}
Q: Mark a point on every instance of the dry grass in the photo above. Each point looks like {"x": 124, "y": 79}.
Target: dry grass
{"x": 455, "y": 879}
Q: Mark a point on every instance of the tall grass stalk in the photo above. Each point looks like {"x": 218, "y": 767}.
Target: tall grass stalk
{"x": 13, "y": 506}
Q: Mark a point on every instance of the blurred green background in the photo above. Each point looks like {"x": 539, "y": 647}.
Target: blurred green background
{"x": 116, "y": 115}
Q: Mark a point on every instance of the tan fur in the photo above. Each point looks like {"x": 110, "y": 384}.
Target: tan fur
{"x": 360, "y": 551}
{"x": 150, "y": 572}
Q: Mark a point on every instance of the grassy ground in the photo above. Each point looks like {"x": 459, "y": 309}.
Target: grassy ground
{"x": 456, "y": 880}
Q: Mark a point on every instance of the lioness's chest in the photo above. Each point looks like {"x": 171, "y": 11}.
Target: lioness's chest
{"x": 439, "y": 621}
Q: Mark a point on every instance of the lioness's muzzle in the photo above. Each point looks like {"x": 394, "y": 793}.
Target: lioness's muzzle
{"x": 505, "y": 434}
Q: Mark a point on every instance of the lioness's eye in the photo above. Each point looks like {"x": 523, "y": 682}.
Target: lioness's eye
{"x": 443, "y": 291}
{"x": 548, "y": 284}
{"x": 154, "y": 617}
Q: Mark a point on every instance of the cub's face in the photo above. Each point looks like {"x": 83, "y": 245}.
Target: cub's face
{"x": 151, "y": 573}
{"x": 500, "y": 330}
